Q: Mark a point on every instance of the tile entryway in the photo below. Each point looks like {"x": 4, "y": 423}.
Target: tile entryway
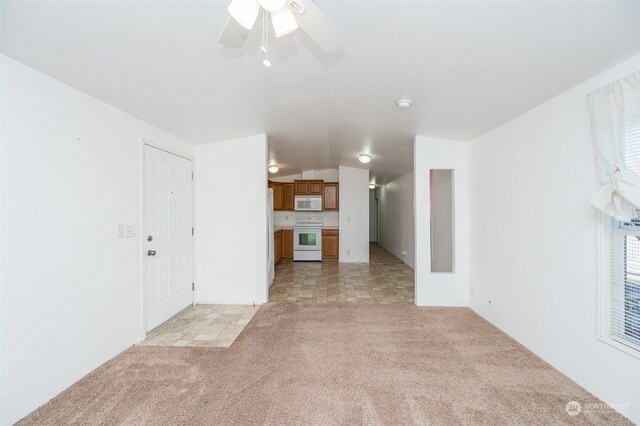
{"x": 203, "y": 326}
{"x": 385, "y": 279}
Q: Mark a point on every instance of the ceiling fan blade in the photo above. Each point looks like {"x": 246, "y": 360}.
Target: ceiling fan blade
{"x": 233, "y": 35}
{"x": 319, "y": 27}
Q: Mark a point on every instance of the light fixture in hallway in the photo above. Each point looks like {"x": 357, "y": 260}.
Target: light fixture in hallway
{"x": 273, "y": 168}
{"x": 404, "y": 103}
{"x": 372, "y": 186}
{"x": 364, "y": 158}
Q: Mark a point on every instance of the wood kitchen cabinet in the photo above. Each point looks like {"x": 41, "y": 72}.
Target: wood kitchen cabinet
{"x": 289, "y": 196}
{"x": 287, "y": 243}
{"x": 277, "y": 247}
{"x": 308, "y": 187}
{"x": 278, "y": 196}
{"x": 330, "y": 243}
{"x": 330, "y": 196}
{"x": 315, "y": 187}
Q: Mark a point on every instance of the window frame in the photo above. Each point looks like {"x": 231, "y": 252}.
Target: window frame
{"x": 603, "y": 285}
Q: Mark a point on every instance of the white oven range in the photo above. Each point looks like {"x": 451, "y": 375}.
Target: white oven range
{"x": 307, "y": 238}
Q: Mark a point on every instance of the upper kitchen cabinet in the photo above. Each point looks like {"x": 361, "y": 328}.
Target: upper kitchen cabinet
{"x": 330, "y": 196}
{"x": 315, "y": 187}
{"x": 308, "y": 187}
{"x": 301, "y": 187}
{"x": 288, "y": 196}
{"x": 278, "y": 196}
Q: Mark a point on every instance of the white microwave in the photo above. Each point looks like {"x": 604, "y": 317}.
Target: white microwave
{"x": 308, "y": 203}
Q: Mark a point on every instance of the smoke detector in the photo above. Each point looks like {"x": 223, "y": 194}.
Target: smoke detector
{"x": 404, "y": 103}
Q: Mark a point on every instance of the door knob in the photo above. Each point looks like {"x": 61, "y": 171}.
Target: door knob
{"x": 151, "y": 253}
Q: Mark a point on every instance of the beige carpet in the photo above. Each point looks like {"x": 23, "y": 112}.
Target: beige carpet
{"x": 332, "y": 364}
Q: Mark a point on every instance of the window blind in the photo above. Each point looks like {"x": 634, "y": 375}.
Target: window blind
{"x": 624, "y": 288}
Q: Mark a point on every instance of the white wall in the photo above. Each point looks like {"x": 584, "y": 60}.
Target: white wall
{"x": 533, "y": 240}
{"x": 372, "y": 216}
{"x": 441, "y": 289}
{"x": 231, "y": 221}
{"x": 327, "y": 175}
{"x": 71, "y": 171}
{"x": 354, "y": 215}
{"x": 396, "y": 222}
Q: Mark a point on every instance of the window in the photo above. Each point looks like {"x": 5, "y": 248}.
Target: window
{"x": 622, "y": 296}
{"x": 615, "y": 126}
{"x": 623, "y": 304}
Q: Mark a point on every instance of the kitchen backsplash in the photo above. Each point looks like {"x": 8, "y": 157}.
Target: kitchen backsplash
{"x": 289, "y": 218}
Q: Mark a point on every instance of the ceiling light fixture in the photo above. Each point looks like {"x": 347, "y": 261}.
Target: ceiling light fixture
{"x": 404, "y": 103}
{"x": 266, "y": 62}
{"x": 364, "y": 158}
{"x": 286, "y": 16}
{"x": 273, "y": 168}
{"x": 283, "y": 22}
{"x": 372, "y": 186}
{"x": 244, "y": 12}
{"x": 272, "y": 5}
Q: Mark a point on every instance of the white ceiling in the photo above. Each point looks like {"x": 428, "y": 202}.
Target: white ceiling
{"x": 468, "y": 67}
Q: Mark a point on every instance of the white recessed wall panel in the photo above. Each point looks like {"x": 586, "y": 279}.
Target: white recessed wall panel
{"x": 441, "y": 288}
{"x": 71, "y": 290}
{"x": 231, "y": 221}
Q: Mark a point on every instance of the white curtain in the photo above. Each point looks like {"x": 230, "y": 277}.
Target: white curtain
{"x": 615, "y": 125}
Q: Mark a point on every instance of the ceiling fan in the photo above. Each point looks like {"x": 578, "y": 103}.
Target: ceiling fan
{"x": 286, "y": 16}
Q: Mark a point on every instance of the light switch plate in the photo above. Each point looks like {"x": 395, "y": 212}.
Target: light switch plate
{"x": 120, "y": 231}
{"x": 131, "y": 231}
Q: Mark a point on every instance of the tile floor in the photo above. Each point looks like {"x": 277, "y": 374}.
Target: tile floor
{"x": 386, "y": 279}
{"x": 204, "y": 326}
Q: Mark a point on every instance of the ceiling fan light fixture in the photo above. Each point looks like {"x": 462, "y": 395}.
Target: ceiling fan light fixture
{"x": 273, "y": 168}
{"x": 273, "y": 5}
{"x": 244, "y": 12}
{"x": 297, "y": 6}
{"x": 364, "y": 158}
{"x": 283, "y": 22}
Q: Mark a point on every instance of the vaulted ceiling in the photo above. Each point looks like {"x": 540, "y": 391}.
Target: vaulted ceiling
{"x": 467, "y": 66}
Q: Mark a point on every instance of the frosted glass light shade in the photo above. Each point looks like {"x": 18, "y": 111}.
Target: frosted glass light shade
{"x": 244, "y": 12}
{"x": 372, "y": 186}
{"x": 364, "y": 158}
{"x": 283, "y": 22}
{"x": 273, "y": 168}
{"x": 273, "y": 5}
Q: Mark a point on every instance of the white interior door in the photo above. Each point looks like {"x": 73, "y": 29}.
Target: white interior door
{"x": 168, "y": 246}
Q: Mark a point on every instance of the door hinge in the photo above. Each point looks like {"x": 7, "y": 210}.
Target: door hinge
{"x": 193, "y": 230}
{"x": 193, "y": 286}
{"x": 191, "y": 175}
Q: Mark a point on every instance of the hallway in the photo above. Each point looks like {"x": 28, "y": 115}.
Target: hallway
{"x": 386, "y": 279}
